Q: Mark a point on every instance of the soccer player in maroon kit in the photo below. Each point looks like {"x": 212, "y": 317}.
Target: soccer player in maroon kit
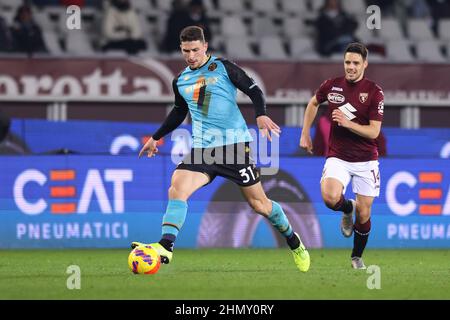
{"x": 355, "y": 105}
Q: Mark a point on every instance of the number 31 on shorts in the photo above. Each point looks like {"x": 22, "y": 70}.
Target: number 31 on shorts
{"x": 245, "y": 175}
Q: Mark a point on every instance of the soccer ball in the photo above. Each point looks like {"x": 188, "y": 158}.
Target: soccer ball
{"x": 144, "y": 260}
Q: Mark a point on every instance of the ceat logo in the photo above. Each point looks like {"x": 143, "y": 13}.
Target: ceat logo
{"x": 63, "y": 195}
{"x": 430, "y": 195}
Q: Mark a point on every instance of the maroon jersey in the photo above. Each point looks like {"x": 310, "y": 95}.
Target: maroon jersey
{"x": 360, "y": 102}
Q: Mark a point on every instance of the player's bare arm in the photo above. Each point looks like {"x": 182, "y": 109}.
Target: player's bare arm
{"x": 370, "y": 131}
{"x": 310, "y": 115}
{"x": 267, "y": 127}
{"x": 150, "y": 148}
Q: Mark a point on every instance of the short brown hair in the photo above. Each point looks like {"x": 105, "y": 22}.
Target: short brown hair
{"x": 192, "y": 33}
{"x": 356, "y": 47}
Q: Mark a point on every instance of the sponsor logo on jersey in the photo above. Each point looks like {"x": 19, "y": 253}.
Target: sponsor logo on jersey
{"x": 348, "y": 110}
{"x": 212, "y": 66}
{"x": 363, "y": 97}
{"x": 381, "y": 107}
{"x": 337, "y": 89}
{"x": 335, "y": 97}
{"x": 200, "y": 83}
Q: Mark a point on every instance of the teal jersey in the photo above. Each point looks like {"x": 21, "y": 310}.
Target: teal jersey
{"x": 210, "y": 94}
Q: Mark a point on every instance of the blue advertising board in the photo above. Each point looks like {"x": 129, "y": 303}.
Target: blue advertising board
{"x": 108, "y": 201}
{"x": 103, "y": 137}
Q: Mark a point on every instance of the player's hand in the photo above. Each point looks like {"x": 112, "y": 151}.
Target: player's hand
{"x": 150, "y": 148}
{"x": 306, "y": 143}
{"x": 340, "y": 118}
{"x": 267, "y": 127}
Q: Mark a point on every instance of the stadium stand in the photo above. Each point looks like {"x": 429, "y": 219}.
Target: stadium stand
{"x": 250, "y": 31}
{"x": 407, "y": 33}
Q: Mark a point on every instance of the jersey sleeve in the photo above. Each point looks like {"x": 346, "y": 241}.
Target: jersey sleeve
{"x": 179, "y": 100}
{"x": 377, "y": 104}
{"x": 322, "y": 92}
{"x": 247, "y": 85}
{"x": 238, "y": 77}
{"x": 176, "y": 116}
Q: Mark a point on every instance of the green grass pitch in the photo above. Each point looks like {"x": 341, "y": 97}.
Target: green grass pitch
{"x": 225, "y": 274}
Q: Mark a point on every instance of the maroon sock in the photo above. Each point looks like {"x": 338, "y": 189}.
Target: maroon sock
{"x": 342, "y": 205}
{"x": 361, "y": 235}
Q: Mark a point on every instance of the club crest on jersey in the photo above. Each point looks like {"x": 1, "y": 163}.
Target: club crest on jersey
{"x": 334, "y": 97}
{"x": 363, "y": 97}
{"x": 212, "y": 66}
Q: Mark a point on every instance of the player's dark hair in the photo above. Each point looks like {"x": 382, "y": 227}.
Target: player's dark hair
{"x": 192, "y": 33}
{"x": 359, "y": 48}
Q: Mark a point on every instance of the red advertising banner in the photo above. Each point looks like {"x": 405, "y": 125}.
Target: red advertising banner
{"x": 150, "y": 78}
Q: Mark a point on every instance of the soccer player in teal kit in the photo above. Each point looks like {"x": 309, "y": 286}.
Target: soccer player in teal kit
{"x": 355, "y": 106}
{"x": 207, "y": 89}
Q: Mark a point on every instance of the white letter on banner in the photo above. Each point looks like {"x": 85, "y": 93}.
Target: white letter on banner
{"x": 391, "y": 230}
{"x": 445, "y": 151}
{"x": 391, "y": 188}
{"x": 25, "y": 206}
{"x": 21, "y": 230}
{"x": 118, "y": 178}
{"x": 122, "y": 141}
{"x": 93, "y": 184}
{"x": 446, "y": 209}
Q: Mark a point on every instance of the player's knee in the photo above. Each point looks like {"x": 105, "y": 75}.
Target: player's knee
{"x": 331, "y": 199}
{"x": 363, "y": 215}
{"x": 176, "y": 193}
